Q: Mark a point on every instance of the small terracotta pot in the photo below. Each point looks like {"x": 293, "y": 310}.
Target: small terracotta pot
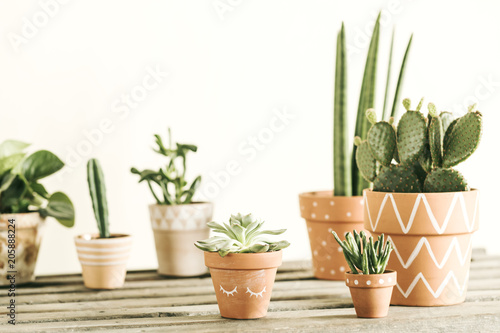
{"x": 371, "y": 294}
{"x": 176, "y": 228}
{"x": 431, "y": 235}
{"x": 243, "y": 282}
{"x": 28, "y": 236}
{"x": 103, "y": 260}
{"x": 323, "y": 213}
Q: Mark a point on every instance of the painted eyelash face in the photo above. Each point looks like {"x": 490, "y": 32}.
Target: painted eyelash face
{"x": 232, "y": 292}
{"x": 255, "y": 294}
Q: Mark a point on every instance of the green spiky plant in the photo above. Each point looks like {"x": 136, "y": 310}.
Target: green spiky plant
{"x": 362, "y": 254}
{"x": 419, "y": 154}
{"x": 243, "y": 234}
{"x": 171, "y": 180}
{"x": 347, "y": 179}
{"x": 97, "y": 189}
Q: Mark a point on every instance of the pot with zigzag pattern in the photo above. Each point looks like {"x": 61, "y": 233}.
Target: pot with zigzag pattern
{"x": 431, "y": 234}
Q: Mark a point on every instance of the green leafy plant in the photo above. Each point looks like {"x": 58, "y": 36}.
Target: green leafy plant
{"x": 419, "y": 154}
{"x": 97, "y": 189}
{"x": 20, "y": 187}
{"x": 171, "y": 179}
{"x": 347, "y": 179}
{"x": 362, "y": 254}
{"x": 243, "y": 234}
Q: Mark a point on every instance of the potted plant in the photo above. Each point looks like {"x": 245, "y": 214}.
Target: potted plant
{"x": 369, "y": 282}
{"x": 24, "y": 205}
{"x": 177, "y": 221}
{"x": 103, "y": 256}
{"x": 342, "y": 209}
{"x": 425, "y": 207}
{"x": 243, "y": 265}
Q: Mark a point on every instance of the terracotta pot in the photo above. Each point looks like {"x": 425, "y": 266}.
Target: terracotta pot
{"x": 103, "y": 260}
{"x": 176, "y": 228}
{"x": 243, "y": 282}
{"x": 28, "y": 235}
{"x": 323, "y": 213}
{"x": 431, "y": 234}
{"x": 371, "y": 294}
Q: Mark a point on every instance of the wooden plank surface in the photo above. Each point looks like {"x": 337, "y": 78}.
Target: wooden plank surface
{"x": 152, "y": 303}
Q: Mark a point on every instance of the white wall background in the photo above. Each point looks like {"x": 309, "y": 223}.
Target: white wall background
{"x": 228, "y": 73}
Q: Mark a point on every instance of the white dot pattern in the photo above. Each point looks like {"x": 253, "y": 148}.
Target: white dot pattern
{"x": 381, "y": 281}
{"x": 332, "y": 272}
{"x": 356, "y": 282}
{"x": 332, "y": 203}
{"x": 323, "y": 243}
{"x": 349, "y": 214}
{"x": 313, "y": 215}
{"x": 368, "y": 282}
{"x": 327, "y": 216}
{"x": 315, "y": 204}
{"x": 342, "y": 268}
{"x": 339, "y": 249}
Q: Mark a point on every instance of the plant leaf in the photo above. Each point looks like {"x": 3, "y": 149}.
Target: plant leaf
{"x": 399, "y": 85}
{"x": 40, "y": 164}
{"x": 61, "y": 208}
{"x": 12, "y": 147}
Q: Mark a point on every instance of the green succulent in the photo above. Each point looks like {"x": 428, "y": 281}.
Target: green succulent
{"x": 419, "y": 154}
{"x": 362, "y": 254}
{"x": 243, "y": 234}
{"x": 171, "y": 180}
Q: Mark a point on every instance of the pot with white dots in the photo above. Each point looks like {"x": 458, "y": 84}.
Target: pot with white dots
{"x": 325, "y": 213}
{"x": 371, "y": 293}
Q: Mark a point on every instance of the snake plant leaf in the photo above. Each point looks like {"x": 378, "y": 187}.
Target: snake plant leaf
{"x": 389, "y": 66}
{"x": 399, "y": 85}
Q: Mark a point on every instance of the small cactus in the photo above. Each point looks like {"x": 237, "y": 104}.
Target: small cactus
{"x": 419, "y": 154}
{"x": 97, "y": 189}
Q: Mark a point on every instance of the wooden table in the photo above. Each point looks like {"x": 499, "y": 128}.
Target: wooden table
{"x": 151, "y": 303}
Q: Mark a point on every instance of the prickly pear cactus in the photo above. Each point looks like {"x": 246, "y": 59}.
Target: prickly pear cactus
{"x": 445, "y": 180}
{"x": 418, "y": 155}
{"x": 412, "y": 131}
{"x": 397, "y": 178}
{"x": 463, "y": 138}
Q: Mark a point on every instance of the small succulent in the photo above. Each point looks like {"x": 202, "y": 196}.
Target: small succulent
{"x": 419, "y": 154}
{"x": 243, "y": 234}
{"x": 362, "y": 254}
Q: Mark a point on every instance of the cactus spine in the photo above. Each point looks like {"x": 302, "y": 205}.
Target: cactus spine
{"x": 97, "y": 189}
{"x": 426, "y": 147}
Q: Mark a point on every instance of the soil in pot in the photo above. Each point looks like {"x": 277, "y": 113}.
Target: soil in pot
{"x": 243, "y": 282}
{"x": 28, "y": 235}
{"x": 431, "y": 234}
{"x": 323, "y": 213}
{"x": 371, "y": 293}
{"x": 176, "y": 228}
{"x": 103, "y": 260}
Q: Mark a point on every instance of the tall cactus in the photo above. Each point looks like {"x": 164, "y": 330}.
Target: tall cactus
{"x": 426, "y": 154}
{"x": 97, "y": 189}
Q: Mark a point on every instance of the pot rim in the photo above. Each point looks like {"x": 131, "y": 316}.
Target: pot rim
{"x": 369, "y": 190}
{"x": 90, "y": 238}
{"x": 180, "y": 205}
{"x": 243, "y": 261}
{"x": 386, "y": 272}
{"x": 388, "y": 279}
{"x": 326, "y": 194}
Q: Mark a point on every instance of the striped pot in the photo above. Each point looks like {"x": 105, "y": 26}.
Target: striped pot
{"x": 323, "y": 213}
{"x": 176, "y": 228}
{"x": 103, "y": 260}
{"x": 28, "y": 235}
{"x": 431, "y": 234}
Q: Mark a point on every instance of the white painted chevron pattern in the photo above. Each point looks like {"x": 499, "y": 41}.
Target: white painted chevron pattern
{"x": 462, "y": 257}
{"x": 437, "y": 293}
{"x": 422, "y": 198}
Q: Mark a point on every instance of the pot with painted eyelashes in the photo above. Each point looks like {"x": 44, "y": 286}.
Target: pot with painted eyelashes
{"x": 243, "y": 282}
{"x": 243, "y": 264}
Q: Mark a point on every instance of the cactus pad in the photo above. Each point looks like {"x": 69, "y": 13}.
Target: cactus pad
{"x": 445, "y": 180}
{"x": 462, "y": 138}
{"x": 412, "y": 131}
{"x": 397, "y": 178}
{"x": 366, "y": 162}
{"x": 425, "y": 159}
{"x": 446, "y": 119}
{"x": 436, "y": 141}
{"x": 382, "y": 142}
